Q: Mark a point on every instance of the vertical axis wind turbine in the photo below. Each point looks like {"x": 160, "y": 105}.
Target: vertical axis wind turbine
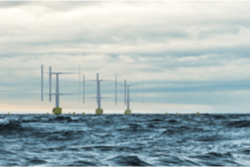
{"x": 127, "y": 98}
{"x": 98, "y": 97}
{"x": 57, "y": 110}
{"x": 99, "y": 110}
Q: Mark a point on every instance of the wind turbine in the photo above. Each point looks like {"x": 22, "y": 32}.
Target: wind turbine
{"x": 57, "y": 110}
{"x": 98, "y": 97}
{"x": 127, "y": 98}
{"x": 99, "y": 110}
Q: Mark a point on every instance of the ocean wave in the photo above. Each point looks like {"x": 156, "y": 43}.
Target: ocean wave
{"x": 217, "y": 159}
{"x": 10, "y": 125}
{"x": 85, "y": 163}
{"x": 239, "y": 124}
{"x": 123, "y": 160}
{"x": 124, "y": 140}
{"x": 36, "y": 161}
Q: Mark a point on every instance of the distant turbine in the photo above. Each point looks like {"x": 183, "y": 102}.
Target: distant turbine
{"x": 128, "y": 110}
{"x": 98, "y": 97}
{"x": 57, "y": 110}
{"x": 83, "y": 90}
{"x": 125, "y": 91}
{"x": 99, "y": 110}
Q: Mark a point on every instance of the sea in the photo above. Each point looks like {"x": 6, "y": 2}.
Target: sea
{"x": 125, "y": 140}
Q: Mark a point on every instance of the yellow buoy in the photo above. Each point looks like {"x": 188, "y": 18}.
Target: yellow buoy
{"x": 8, "y": 113}
{"x": 166, "y": 113}
{"x": 197, "y": 113}
{"x": 177, "y": 113}
{"x": 74, "y": 113}
{"x": 47, "y": 113}
{"x": 83, "y": 113}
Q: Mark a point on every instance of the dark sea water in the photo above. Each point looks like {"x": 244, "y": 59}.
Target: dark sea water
{"x": 125, "y": 140}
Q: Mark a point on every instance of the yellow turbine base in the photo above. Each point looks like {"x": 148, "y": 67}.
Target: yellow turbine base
{"x": 99, "y": 111}
{"x": 83, "y": 113}
{"x": 197, "y": 113}
{"x": 166, "y": 113}
{"x": 128, "y": 111}
{"x": 57, "y": 110}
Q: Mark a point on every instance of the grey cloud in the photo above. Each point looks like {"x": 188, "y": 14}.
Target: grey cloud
{"x": 190, "y": 56}
{"x": 219, "y": 31}
{"x": 11, "y": 4}
{"x": 52, "y": 5}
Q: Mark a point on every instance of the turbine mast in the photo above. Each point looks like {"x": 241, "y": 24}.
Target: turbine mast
{"x": 41, "y": 82}
{"x": 98, "y": 91}
{"x": 79, "y": 83}
{"x": 50, "y": 83}
{"x": 125, "y": 85}
{"x": 128, "y": 100}
{"x": 83, "y": 89}
{"x": 115, "y": 90}
{"x": 57, "y": 90}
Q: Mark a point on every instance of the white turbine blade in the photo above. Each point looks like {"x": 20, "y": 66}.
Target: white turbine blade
{"x": 106, "y": 80}
{"x": 68, "y": 93}
{"x": 91, "y": 80}
{"x": 50, "y": 93}
{"x": 65, "y": 73}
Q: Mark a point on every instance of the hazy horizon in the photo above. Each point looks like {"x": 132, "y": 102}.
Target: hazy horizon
{"x": 191, "y": 56}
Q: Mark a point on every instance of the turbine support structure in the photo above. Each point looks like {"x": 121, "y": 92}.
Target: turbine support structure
{"x": 99, "y": 110}
{"x": 128, "y": 110}
{"x": 56, "y": 110}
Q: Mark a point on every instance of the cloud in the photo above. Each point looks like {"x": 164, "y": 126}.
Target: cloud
{"x": 184, "y": 50}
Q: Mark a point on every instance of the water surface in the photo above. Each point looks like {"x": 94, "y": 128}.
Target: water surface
{"x": 125, "y": 140}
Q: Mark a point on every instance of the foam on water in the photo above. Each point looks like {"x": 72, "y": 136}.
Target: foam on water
{"x": 125, "y": 140}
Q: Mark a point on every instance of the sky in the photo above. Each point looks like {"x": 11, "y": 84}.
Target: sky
{"x": 191, "y": 56}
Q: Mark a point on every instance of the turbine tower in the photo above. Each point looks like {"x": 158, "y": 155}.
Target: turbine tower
{"x": 99, "y": 110}
{"x": 57, "y": 110}
{"x": 127, "y": 98}
{"x": 98, "y": 97}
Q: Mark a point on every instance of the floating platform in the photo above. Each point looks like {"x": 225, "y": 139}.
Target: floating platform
{"x": 128, "y": 111}
{"x": 99, "y": 111}
{"x": 57, "y": 110}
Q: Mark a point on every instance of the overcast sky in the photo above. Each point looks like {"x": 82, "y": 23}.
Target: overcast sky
{"x": 192, "y": 56}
